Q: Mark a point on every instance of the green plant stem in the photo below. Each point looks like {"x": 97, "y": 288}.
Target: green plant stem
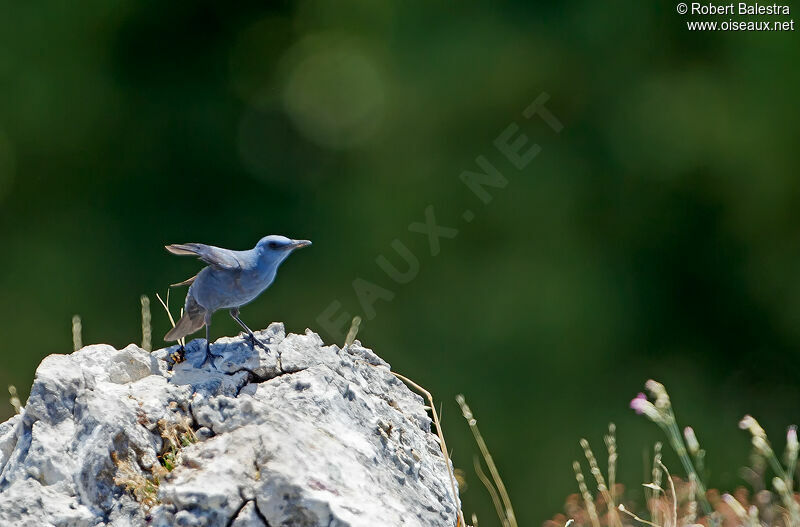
{"x": 671, "y": 430}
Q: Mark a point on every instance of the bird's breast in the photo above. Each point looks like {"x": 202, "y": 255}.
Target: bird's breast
{"x": 217, "y": 289}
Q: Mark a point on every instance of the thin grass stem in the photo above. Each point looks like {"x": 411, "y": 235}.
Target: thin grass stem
{"x": 501, "y": 488}
{"x": 587, "y": 496}
{"x": 622, "y": 509}
{"x": 147, "y": 326}
{"x": 498, "y": 505}
{"x": 674, "y": 494}
{"x": 443, "y": 444}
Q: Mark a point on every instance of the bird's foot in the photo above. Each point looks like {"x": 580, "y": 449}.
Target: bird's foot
{"x": 254, "y": 341}
{"x": 209, "y": 356}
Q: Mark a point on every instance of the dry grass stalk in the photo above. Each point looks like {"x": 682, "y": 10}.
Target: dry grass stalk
{"x": 14, "y": 398}
{"x": 588, "y": 500}
{"x": 165, "y": 305}
{"x": 601, "y": 484}
{"x": 442, "y": 442}
{"x": 77, "y": 331}
{"x": 487, "y": 483}
{"x": 147, "y": 326}
{"x": 351, "y": 337}
{"x": 508, "y": 510}
{"x": 352, "y": 333}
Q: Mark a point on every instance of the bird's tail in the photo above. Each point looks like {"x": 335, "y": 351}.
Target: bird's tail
{"x": 194, "y": 318}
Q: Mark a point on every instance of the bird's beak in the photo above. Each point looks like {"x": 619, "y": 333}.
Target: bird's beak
{"x": 299, "y": 244}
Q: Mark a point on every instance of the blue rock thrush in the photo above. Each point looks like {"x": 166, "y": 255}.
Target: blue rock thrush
{"x": 231, "y": 280}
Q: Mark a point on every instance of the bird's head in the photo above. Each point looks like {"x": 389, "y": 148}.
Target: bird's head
{"x": 277, "y": 248}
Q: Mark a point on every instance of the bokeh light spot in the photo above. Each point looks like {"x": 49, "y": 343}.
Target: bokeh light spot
{"x": 333, "y": 92}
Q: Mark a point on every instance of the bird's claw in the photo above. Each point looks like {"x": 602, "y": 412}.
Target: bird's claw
{"x": 209, "y": 356}
{"x": 256, "y": 342}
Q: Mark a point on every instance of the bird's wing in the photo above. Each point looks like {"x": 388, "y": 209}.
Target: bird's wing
{"x": 216, "y": 257}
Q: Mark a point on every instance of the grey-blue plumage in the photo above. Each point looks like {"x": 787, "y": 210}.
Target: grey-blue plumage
{"x": 231, "y": 280}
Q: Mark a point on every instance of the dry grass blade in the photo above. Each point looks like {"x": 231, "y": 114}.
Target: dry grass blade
{"x": 601, "y": 484}
{"x": 587, "y": 496}
{"x": 147, "y": 327}
{"x": 498, "y": 505}
{"x": 77, "y": 333}
{"x": 439, "y": 432}
{"x": 352, "y": 332}
{"x": 487, "y": 457}
{"x": 623, "y": 510}
{"x": 611, "y": 446}
{"x": 143, "y": 489}
{"x": 14, "y": 398}
{"x": 674, "y": 495}
{"x": 165, "y": 305}
{"x": 655, "y": 485}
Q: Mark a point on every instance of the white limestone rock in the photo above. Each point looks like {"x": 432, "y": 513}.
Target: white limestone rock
{"x": 294, "y": 433}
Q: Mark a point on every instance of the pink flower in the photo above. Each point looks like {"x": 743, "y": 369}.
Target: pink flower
{"x": 791, "y": 439}
{"x": 641, "y": 405}
{"x": 639, "y": 402}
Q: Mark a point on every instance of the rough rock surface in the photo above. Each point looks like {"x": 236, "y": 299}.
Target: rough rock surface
{"x": 301, "y": 434}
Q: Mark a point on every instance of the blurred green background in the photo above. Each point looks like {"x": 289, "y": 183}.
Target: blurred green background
{"x": 658, "y": 235}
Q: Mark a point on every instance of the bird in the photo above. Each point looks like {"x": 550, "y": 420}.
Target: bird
{"x": 229, "y": 281}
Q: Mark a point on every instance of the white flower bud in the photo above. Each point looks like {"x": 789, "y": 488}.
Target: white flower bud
{"x": 691, "y": 440}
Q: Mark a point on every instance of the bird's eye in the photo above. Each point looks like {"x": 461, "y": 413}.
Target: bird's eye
{"x": 273, "y": 245}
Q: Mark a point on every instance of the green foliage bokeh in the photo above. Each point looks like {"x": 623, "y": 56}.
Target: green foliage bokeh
{"x": 657, "y": 235}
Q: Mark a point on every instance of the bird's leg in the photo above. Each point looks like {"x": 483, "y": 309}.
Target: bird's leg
{"x": 208, "y": 338}
{"x": 253, "y": 340}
